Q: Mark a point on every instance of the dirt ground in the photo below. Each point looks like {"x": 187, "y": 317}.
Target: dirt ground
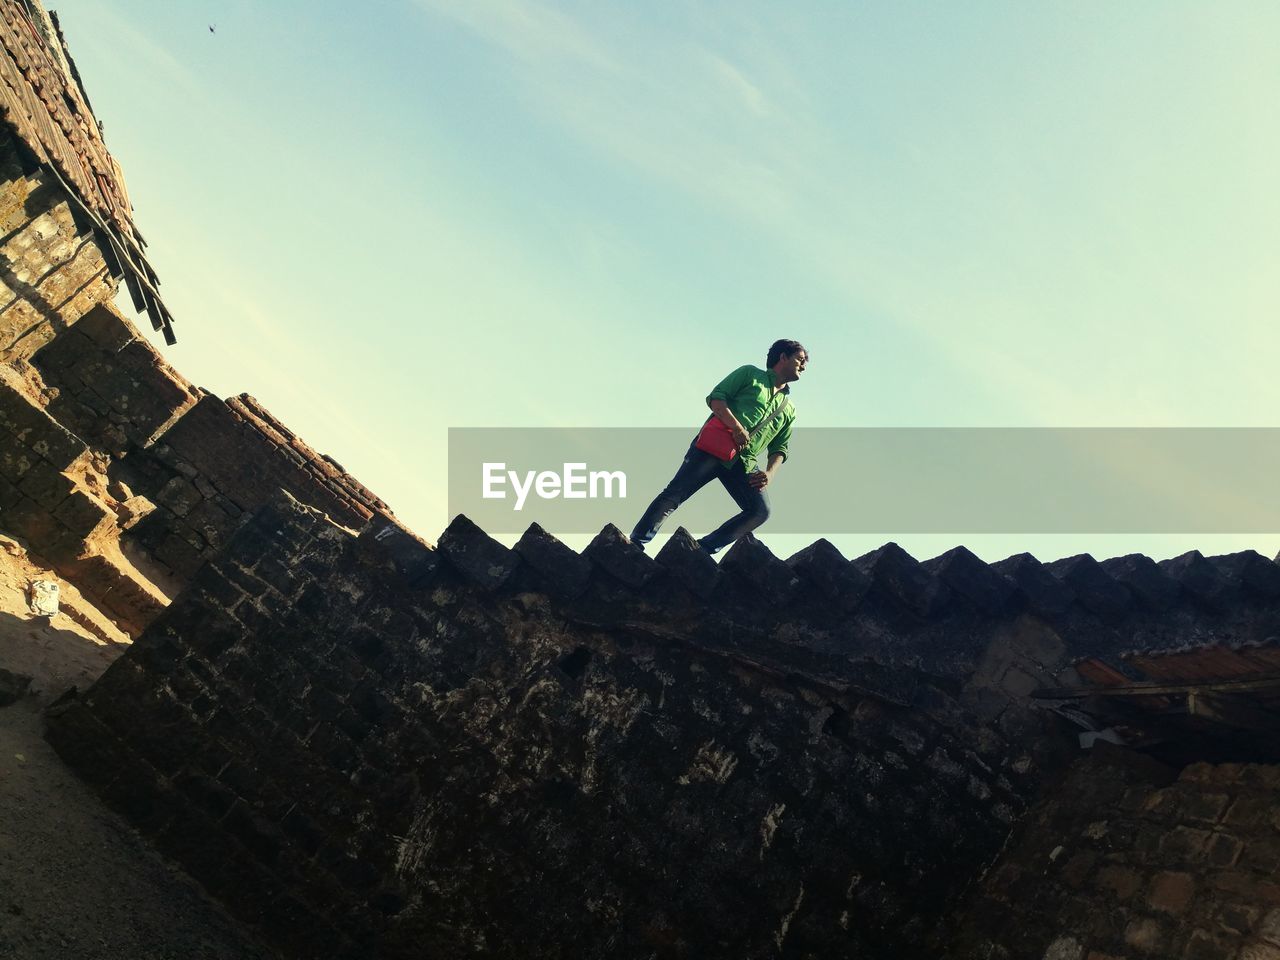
{"x": 76, "y": 882}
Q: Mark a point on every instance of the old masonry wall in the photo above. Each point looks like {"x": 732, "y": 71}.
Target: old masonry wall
{"x": 535, "y": 753}
{"x": 361, "y": 742}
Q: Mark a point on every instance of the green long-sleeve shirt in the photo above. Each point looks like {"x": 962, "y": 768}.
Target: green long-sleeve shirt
{"x": 748, "y": 392}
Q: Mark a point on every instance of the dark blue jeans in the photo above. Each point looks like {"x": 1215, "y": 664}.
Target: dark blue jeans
{"x": 696, "y": 472}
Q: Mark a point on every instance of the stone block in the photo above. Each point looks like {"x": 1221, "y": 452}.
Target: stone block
{"x": 45, "y": 485}
{"x": 44, "y": 534}
{"x": 836, "y": 578}
{"x": 179, "y": 556}
{"x": 617, "y": 556}
{"x": 1119, "y": 881}
{"x": 1239, "y": 885}
{"x": 1262, "y": 854}
{"x": 1184, "y": 843}
{"x": 1196, "y": 773}
{"x": 1045, "y": 594}
{"x": 10, "y": 496}
{"x": 104, "y": 328}
{"x": 1258, "y": 576}
{"x": 898, "y": 578}
{"x": 212, "y": 522}
{"x": 1145, "y": 935}
{"x": 1203, "y": 945}
{"x": 562, "y": 572}
{"x": 1095, "y": 589}
{"x": 416, "y": 559}
{"x": 16, "y": 457}
{"x": 1201, "y": 579}
{"x": 689, "y": 564}
{"x": 477, "y": 556}
{"x": 1171, "y": 892}
{"x": 1223, "y": 850}
{"x": 1270, "y": 928}
{"x": 57, "y": 445}
{"x": 178, "y": 495}
{"x": 767, "y": 577}
{"x": 989, "y": 592}
{"x": 83, "y": 514}
{"x": 1236, "y": 919}
{"x": 1077, "y": 869}
{"x": 1207, "y": 807}
{"x": 1154, "y": 589}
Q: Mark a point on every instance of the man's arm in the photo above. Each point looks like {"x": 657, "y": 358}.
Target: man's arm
{"x": 725, "y": 416}
{"x": 760, "y": 478}
{"x": 718, "y": 399}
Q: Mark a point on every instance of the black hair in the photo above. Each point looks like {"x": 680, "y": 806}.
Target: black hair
{"x": 789, "y": 347}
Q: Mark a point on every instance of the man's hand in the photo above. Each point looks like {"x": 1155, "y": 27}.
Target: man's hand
{"x": 759, "y": 479}
{"x": 736, "y": 430}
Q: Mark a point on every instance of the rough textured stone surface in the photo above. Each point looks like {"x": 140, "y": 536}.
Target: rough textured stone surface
{"x": 1200, "y": 578}
{"x": 113, "y": 389}
{"x": 51, "y": 271}
{"x": 479, "y": 557}
{"x": 838, "y": 581}
{"x": 685, "y": 559}
{"x": 448, "y": 769}
{"x": 1094, "y": 589}
{"x": 1045, "y": 593}
{"x": 614, "y": 553}
{"x": 1125, "y": 860}
{"x": 988, "y": 591}
{"x": 897, "y": 578}
{"x": 1150, "y": 585}
{"x": 560, "y": 572}
{"x": 770, "y": 580}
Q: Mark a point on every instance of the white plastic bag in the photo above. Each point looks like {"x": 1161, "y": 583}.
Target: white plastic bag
{"x": 44, "y": 598}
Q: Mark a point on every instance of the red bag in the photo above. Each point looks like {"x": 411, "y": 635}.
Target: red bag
{"x": 715, "y": 439}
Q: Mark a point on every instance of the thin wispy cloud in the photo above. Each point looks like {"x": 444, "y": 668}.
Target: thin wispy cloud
{"x": 738, "y": 84}
{"x": 532, "y": 32}
{"x": 671, "y": 117}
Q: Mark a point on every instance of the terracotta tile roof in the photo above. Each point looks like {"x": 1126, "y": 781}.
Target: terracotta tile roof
{"x": 43, "y": 103}
{"x": 1214, "y": 689}
{"x": 1190, "y": 664}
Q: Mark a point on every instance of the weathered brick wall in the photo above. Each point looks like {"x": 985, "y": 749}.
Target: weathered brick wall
{"x": 109, "y": 385}
{"x": 1122, "y": 863}
{"x": 44, "y": 501}
{"x": 215, "y": 463}
{"x": 51, "y": 271}
{"x": 365, "y": 744}
{"x": 38, "y": 501}
{"x": 318, "y": 479}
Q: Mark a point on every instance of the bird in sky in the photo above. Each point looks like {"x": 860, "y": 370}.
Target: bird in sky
{"x": 213, "y": 28}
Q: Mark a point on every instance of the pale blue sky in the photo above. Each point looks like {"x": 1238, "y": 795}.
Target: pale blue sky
{"x": 387, "y": 218}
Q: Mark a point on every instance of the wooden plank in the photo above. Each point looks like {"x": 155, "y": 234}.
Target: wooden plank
{"x": 1151, "y": 688}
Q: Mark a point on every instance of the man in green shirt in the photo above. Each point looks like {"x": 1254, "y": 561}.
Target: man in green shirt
{"x": 754, "y": 404}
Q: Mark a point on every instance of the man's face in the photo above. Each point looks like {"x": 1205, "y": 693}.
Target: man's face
{"x": 794, "y": 364}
